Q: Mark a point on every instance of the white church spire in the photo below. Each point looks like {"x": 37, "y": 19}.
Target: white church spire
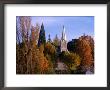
{"x": 63, "y": 33}
{"x": 63, "y": 41}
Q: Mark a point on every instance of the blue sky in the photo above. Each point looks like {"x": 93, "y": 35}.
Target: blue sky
{"x": 75, "y": 26}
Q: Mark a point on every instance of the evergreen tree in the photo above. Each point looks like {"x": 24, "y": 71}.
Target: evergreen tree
{"x": 42, "y": 39}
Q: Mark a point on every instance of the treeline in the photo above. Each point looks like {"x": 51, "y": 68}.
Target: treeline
{"x": 84, "y": 48}
{"x": 30, "y": 58}
{"x": 35, "y": 55}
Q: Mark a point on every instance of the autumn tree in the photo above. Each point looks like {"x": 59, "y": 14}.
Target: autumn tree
{"x": 30, "y": 58}
{"x": 84, "y": 50}
{"x": 34, "y": 35}
{"x": 44, "y": 65}
{"x": 84, "y": 47}
{"x": 22, "y": 32}
{"x": 56, "y": 41}
{"x": 50, "y": 53}
{"x": 33, "y": 47}
{"x": 90, "y": 41}
{"x": 50, "y": 49}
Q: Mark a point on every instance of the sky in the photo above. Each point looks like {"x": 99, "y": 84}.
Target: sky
{"x": 75, "y": 26}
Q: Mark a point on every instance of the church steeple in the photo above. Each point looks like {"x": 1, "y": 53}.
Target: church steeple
{"x": 63, "y": 34}
{"x": 49, "y": 39}
{"x": 63, "y": 45}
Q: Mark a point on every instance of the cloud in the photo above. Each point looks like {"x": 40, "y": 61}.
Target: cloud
{"x": 45, "y": 20}
{"x": 74, "y": 25}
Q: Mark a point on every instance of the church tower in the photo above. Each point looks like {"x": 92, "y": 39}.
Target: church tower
{"x": 63, "y": 44}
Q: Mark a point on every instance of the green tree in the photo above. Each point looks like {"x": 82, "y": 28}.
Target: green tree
{"x": 72, "y": 60}
{"x": 42, "y": 39}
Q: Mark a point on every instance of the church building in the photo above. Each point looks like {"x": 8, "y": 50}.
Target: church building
{"x": 63, "y": 42}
